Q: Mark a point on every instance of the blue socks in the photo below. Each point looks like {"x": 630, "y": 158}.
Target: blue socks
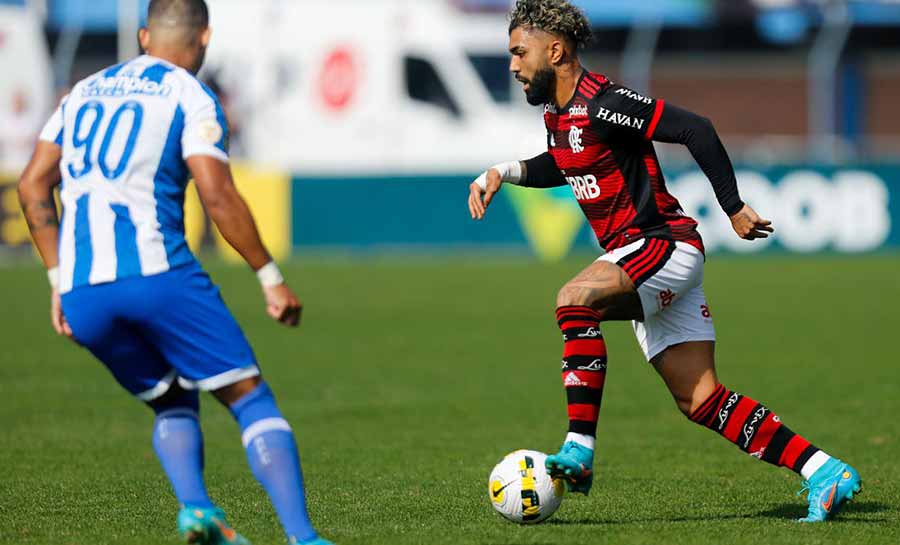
{"x": 178, "y": 443}
{"x": 274, "y": 460}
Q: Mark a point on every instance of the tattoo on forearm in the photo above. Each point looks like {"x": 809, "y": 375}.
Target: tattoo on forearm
{"x": 40, "y": 214}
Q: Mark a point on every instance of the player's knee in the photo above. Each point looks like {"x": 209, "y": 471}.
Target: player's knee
{"x": 176, "y": 398}
{"x": 572, "y": 295}
{"x": 229, "y": 395}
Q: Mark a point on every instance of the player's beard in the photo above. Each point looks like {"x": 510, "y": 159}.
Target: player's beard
{"x": 541, "y": 87}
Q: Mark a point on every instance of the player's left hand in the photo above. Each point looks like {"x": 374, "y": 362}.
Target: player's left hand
{"x": 60, "y": 325}
{"x": 749, "y": 226}
{"x": 283, "y": 305}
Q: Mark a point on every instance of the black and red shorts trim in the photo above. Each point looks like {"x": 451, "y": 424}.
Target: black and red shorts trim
{"x": 641, "y": 264}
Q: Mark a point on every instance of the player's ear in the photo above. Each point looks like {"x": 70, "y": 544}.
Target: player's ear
{"x": 144, "y": 38}
{"x": 205, "y": 36}
{"x": 557, "y": 51}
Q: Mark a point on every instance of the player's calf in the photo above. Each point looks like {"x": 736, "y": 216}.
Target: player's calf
{"x": 759, "y": 432}
{"x": 273, "y": 457}
{"x": 583, "y": 375}
{"x": 178, "y": 443}
{"x": 599, "y": 292}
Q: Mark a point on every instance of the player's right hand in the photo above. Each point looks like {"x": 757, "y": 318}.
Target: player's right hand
{"x": 479, "y": 198}
{"x": 749, "y": 226}
{"x": 60, "y": 325}
{"x": 283, "y": 305}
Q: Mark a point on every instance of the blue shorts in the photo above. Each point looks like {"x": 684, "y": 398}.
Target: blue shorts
{"x": 153, "y": 330}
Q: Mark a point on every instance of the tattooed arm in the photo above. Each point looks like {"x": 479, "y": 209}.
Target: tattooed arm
{"x": 36, "y": 197}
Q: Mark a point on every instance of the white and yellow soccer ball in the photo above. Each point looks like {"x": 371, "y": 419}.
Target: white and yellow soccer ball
{"x": 522, "y": 491}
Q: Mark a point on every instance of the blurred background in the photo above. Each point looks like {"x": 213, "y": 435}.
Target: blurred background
{"x": 358, "y": 124}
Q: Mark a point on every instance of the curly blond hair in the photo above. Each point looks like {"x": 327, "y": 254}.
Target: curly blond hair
{"x": 557, "y": 17}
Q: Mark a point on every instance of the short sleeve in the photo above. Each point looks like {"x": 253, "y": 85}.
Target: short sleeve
{"x": 53, "y": 130}
{"x": 205, "y": 125}
{"x": 620, "y": 110}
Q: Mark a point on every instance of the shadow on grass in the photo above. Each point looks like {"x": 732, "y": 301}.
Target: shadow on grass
{"x": 793, "y": 511}
{"x": 785, "y": 511}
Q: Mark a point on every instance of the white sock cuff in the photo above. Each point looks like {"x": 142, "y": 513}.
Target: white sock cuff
{"x": 182, "y": 412}
{"x": 581, "y": 439}
{"x": 815, "y": 462}
{"x": 260, "y": 427}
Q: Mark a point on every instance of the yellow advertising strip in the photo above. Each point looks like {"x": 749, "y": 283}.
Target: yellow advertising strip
{"x": 13, "y": 228}
{"x": 268, "y": 194}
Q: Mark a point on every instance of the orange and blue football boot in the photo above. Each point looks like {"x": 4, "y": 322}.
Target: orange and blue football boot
{"x": 207, "y": 527}
{"x": 829, "y": 487}
{"x": 574, "y": 464}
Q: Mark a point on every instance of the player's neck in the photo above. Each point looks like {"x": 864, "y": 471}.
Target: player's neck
{"x": 566, "y": 81}
{"x": 176, "y": 56}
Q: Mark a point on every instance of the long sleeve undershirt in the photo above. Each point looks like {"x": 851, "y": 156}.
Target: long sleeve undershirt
{"x": 676, "y": 126}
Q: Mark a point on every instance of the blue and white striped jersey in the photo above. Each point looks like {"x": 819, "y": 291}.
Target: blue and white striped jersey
{"x": 125, "y": 134}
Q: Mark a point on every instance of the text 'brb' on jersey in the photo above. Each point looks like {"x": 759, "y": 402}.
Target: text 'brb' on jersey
{"x": 125, "y": 134}
{"x": 601, "y": 142}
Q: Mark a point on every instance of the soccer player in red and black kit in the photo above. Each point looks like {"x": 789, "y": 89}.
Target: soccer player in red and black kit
{"x": 599, "y": 136}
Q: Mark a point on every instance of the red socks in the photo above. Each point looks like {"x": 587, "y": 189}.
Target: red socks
{"x": 583, "y": 366}
{"x": 753, "y": 428}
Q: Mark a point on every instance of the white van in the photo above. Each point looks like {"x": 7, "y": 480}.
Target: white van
{"x": 370, "y": 87}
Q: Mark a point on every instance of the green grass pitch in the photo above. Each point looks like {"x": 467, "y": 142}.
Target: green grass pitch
{"x": 410, "y": 378}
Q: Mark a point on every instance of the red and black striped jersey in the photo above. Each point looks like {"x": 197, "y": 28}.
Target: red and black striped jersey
{"x": 602, "y": 144}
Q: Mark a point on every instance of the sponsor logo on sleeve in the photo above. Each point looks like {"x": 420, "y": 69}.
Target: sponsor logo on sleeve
{"x": 634, "y": 96}
{"x": 620, "y": 119}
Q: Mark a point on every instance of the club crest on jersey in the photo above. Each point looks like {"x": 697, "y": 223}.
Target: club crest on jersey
{"x": 575, "y": 139}
{"x": 578, "y": 110}
{"x": 634, "y": 96}
{"x": 620, "y": 119}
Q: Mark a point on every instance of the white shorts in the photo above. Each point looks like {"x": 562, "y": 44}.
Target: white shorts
{"x": 669, "y": 279}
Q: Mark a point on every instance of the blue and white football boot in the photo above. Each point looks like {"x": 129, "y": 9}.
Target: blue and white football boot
{"x": 574, "y": 464}
{"x": 830, "y": 486}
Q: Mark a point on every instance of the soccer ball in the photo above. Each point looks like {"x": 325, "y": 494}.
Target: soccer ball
{"x": 521, "y": 489}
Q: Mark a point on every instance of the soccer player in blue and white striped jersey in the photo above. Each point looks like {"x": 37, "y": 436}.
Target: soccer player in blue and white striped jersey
{"x": 123, "y": 144}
